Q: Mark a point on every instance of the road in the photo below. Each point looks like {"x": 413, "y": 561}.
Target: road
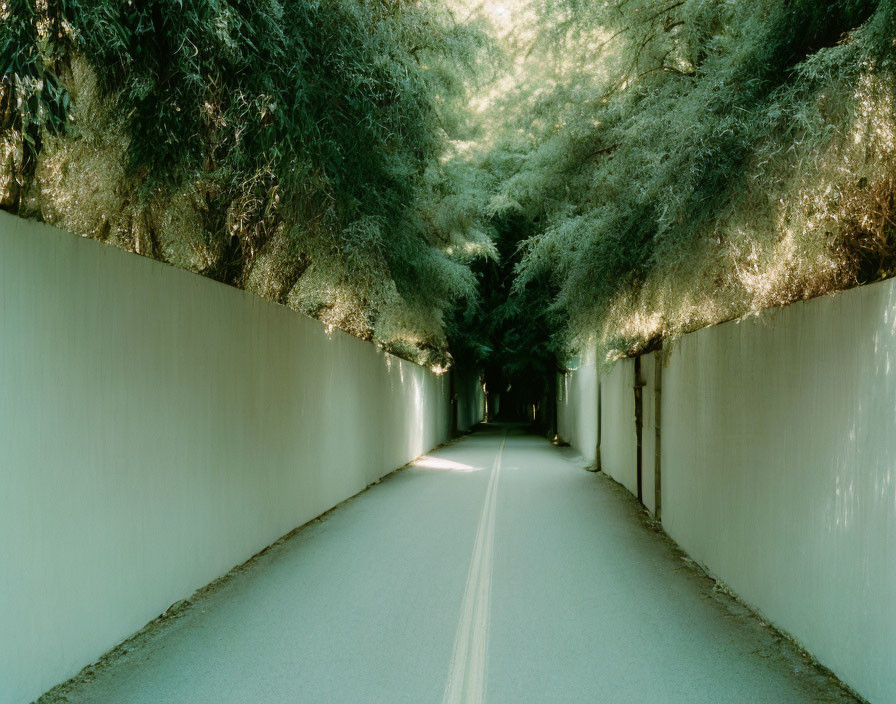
{"x": 495, "y": 569}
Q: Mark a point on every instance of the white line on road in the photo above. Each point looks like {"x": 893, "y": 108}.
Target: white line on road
{"x": 466, "y": 681}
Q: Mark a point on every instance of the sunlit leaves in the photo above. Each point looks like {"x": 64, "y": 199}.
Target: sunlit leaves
{"x": 278, "y": 146}
{"x": 701, "y": 171}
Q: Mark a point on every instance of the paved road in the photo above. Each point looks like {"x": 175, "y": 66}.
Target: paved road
{"x": 495, "y": 570}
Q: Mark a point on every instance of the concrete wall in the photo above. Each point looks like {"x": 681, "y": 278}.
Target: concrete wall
{"x": 779, "y": 472}
{"x": 470, "y": 399}
{"x": 158, "y": 428}
{"x": 577, "y": 406}
{"x": 778, "y": 468}
{"x": 618, "y": 438}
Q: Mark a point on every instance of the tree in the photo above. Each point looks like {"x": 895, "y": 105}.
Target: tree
{"x": 289, "y": 148}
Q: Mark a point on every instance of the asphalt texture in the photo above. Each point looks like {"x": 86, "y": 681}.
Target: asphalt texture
{"x": 495, "y": 569}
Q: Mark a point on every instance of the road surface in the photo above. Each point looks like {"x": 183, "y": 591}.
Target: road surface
{"x": 493, "y": 570}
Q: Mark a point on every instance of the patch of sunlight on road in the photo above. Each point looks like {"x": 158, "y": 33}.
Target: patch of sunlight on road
{"x": 427, "y": 462}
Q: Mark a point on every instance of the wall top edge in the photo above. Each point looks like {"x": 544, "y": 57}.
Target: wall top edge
{"x": 763, "y": 316}
{"x": 10, "y": 222}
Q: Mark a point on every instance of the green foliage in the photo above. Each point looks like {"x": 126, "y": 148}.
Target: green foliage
{"x": 511, "y": 336}
{"x": 288, "y": 141}
{"x": 31, "y": 97}
{"x": 719, "y": 158}
{"x": 623, "y": 171}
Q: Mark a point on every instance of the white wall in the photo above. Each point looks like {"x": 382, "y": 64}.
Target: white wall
{"x": 577, "y": 405}
{"x": 778, "y": 469}
{"x": 779, "y": 472}
{"x": 158, "y": 428}
{"x": 618, "y": 436}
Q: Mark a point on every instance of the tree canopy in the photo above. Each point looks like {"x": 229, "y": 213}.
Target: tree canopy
{"x": 520, "y": 177}
{"x": 692, "y": 161}
{"x": 293, "y": 149}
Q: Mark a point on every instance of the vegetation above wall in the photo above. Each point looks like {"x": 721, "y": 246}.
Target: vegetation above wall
{"x": 614, "y": 172}
{"x": 294, "y": 149}
{"x": 692, "y": 161}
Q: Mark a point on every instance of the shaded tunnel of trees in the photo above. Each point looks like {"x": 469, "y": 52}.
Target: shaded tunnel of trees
{"x": 488, "y": 185}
